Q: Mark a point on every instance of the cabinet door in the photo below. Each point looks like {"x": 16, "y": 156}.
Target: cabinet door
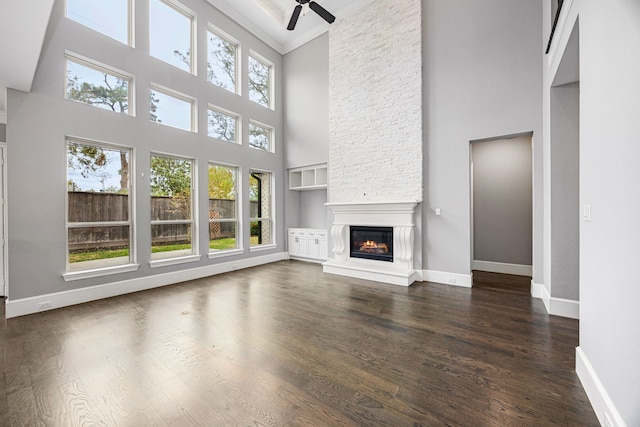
{"x": 296, "y": 243}
{"x": 317, "y": 245}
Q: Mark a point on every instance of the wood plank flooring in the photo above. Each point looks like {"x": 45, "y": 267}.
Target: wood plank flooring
{"x": 287, "y": 345}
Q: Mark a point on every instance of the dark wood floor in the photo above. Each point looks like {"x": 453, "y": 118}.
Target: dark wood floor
{"x": 285, "y": 344}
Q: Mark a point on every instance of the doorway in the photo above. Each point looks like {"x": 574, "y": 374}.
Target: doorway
{"x": 502, "y": 208}
{"x": 4, "y": 291}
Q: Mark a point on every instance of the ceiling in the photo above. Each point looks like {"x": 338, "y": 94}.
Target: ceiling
{"x": 268, "y": 19}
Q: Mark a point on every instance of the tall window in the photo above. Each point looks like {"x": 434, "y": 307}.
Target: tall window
{"x": 260, "y": 208}
{"x": 223, "y": 208}
{"x": 260, "y": 80}
{"x": 171, "y": 108}
{"x": 171, "y": 34}
{"x": 111, "y": 18}
{"x": 223, "y": 124}
{"x": 260, "y": 136}
{"x": 172, "y": 225}
{"x": 97, "y": 85}
{"x": 222, "y": 61}
{"x": 99, "y": 224}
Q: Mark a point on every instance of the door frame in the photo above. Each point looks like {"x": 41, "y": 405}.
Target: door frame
{"x": 3, "y": 199}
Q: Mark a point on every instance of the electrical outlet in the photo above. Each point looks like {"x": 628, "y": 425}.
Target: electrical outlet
{"x": 452, "y": 281}
{"x": 44, "y": 305}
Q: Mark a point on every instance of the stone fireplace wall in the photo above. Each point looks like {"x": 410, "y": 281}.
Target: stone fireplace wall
{"x": 375, "y": 94}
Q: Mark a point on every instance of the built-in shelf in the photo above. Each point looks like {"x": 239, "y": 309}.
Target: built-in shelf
{"x": 308, "y": 178}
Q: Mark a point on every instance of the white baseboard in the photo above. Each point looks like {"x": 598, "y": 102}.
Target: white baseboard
{"x": 602, "y": 404}
{"x": 537, "y": 290}
{"x": 454, "y": 279}
{"x": 556, "y": 306}
{"x": 501, "y": 267}
{"x": 32, "y": 305}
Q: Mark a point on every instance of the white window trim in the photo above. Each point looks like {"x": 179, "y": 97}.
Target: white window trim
{"x": 102, "y": 68}
{"x": 239, "y": 234}
{"x": 271, "y": 219}
{"x": 272, "y": 137}
{"x": 226, "y": 36}
{"x": 193, "y": 37}
{"x": 132, "y": 265}
{"x": 130, "y": 24}
{"x": 272, "y": 71}
{"x": 195, "y": 255}
{"x": 231, "y": 114}
{"x": 182, "y": 97}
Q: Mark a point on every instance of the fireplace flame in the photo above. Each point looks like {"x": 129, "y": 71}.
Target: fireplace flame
{"x": 372, "y": 246}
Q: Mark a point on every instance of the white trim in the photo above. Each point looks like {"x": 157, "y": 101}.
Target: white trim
{"x": 265, "y": 247}
{"x": 220, "y": 254}
{"x": 501, "y": 267}
{"x": 173, "y": 261}
{"x": 556, "y": 306}
{"x": 453, "y": 279}
{"x": 537, "y": 290}
{"x": 70, "y": 276}
{"x": 31, "y": 305}
{"x": 602, "y": 404}
{"x": 371, "y": 271}
{"x": 4, "y": 225}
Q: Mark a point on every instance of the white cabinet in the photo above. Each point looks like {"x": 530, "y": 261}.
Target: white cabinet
{"x": 308, "y": 178}
{"x": 306, "y": 243}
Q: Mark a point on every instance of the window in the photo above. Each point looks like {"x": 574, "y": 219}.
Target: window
{"x": 222, "y": 61}
{"x": 260, "y": 80}
{"x": 223, "y": 208}
{"x": 260, "y": 208}
{"x": 172, "y": 108}
{"x": 99, "y": 224}
{"x": 222, "y": 124}
{"x": 111, "y": 18}
{"x": 172, "y": 225}
{"x": 97, "y": 85}
{"x": 171, "y": 34}
{"x": 260, "y": 136}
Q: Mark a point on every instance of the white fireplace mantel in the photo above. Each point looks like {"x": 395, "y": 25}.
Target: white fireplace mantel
{"x": 397, "y": 214}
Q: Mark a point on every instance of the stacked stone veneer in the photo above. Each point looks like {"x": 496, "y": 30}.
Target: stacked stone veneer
{"x": 375, "y": 115}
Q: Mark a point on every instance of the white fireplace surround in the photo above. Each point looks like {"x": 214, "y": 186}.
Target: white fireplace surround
{"x": 400, "y": 215}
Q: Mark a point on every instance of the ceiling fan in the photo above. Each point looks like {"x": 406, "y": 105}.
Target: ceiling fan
{"x": 324, "y": 14}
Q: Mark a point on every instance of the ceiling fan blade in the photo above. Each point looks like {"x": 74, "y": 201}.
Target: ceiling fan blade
{"x": 294, "y": 17}
{"x": 322, "y": 12}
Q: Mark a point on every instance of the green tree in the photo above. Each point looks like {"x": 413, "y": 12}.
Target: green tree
{"x": 259, "y": 82}
{"x": 222, "y": 183}
{"x": 170, "y": 177}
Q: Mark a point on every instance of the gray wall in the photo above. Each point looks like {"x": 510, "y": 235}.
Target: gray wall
{"x": 37, "y": 123}
{"x": 502, "y": 201}
{"x": 3, "y": 132}
{"x": 609, "y": 177}
{"x": 482, "y": 79}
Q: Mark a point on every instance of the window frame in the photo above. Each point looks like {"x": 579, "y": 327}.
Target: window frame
{"x": 271, "y": 137}
{"x": 195, "y": 252}
{"x": 228, "y": 113}
{"x": 238, "y": 218}
{"x": 130, "y": 23}
{"x": 101, "y": 68}
{"x": 229, "y": 39}
{"x": 132, "y": 265}
{"x": 193, "y": 36}
{"x": 193, "y": 122}
{"x": 271, "y": 219}
{"x": 271, "y": 79}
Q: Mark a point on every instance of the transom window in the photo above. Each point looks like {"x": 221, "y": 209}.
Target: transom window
{"x": 172, "y": 225}
{"x": 222, "y": 61}
{"x": 261, "y": 230}
{"x": 99, "y": 224}
{"x": 171, "y": 34}
{"x": 172, "y": 108}
{"x": 98, "y": 85}
{"x": 223, "y": 208}
{"x": 260, "y": 80}
{"x": 111, "y": 18}
{"x": 260, "y": 136}
{"x": 223, "y": 124}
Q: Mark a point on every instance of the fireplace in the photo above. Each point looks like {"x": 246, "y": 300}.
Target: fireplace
{"x": 375, "y": 241}
{"x": 371, "y": 243}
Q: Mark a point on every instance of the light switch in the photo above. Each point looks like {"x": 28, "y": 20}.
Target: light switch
{"x": 438, "y": 211}
{"x": 586, "y": 213}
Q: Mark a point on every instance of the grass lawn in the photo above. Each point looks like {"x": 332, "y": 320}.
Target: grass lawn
{"x": 217, "y": 245}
